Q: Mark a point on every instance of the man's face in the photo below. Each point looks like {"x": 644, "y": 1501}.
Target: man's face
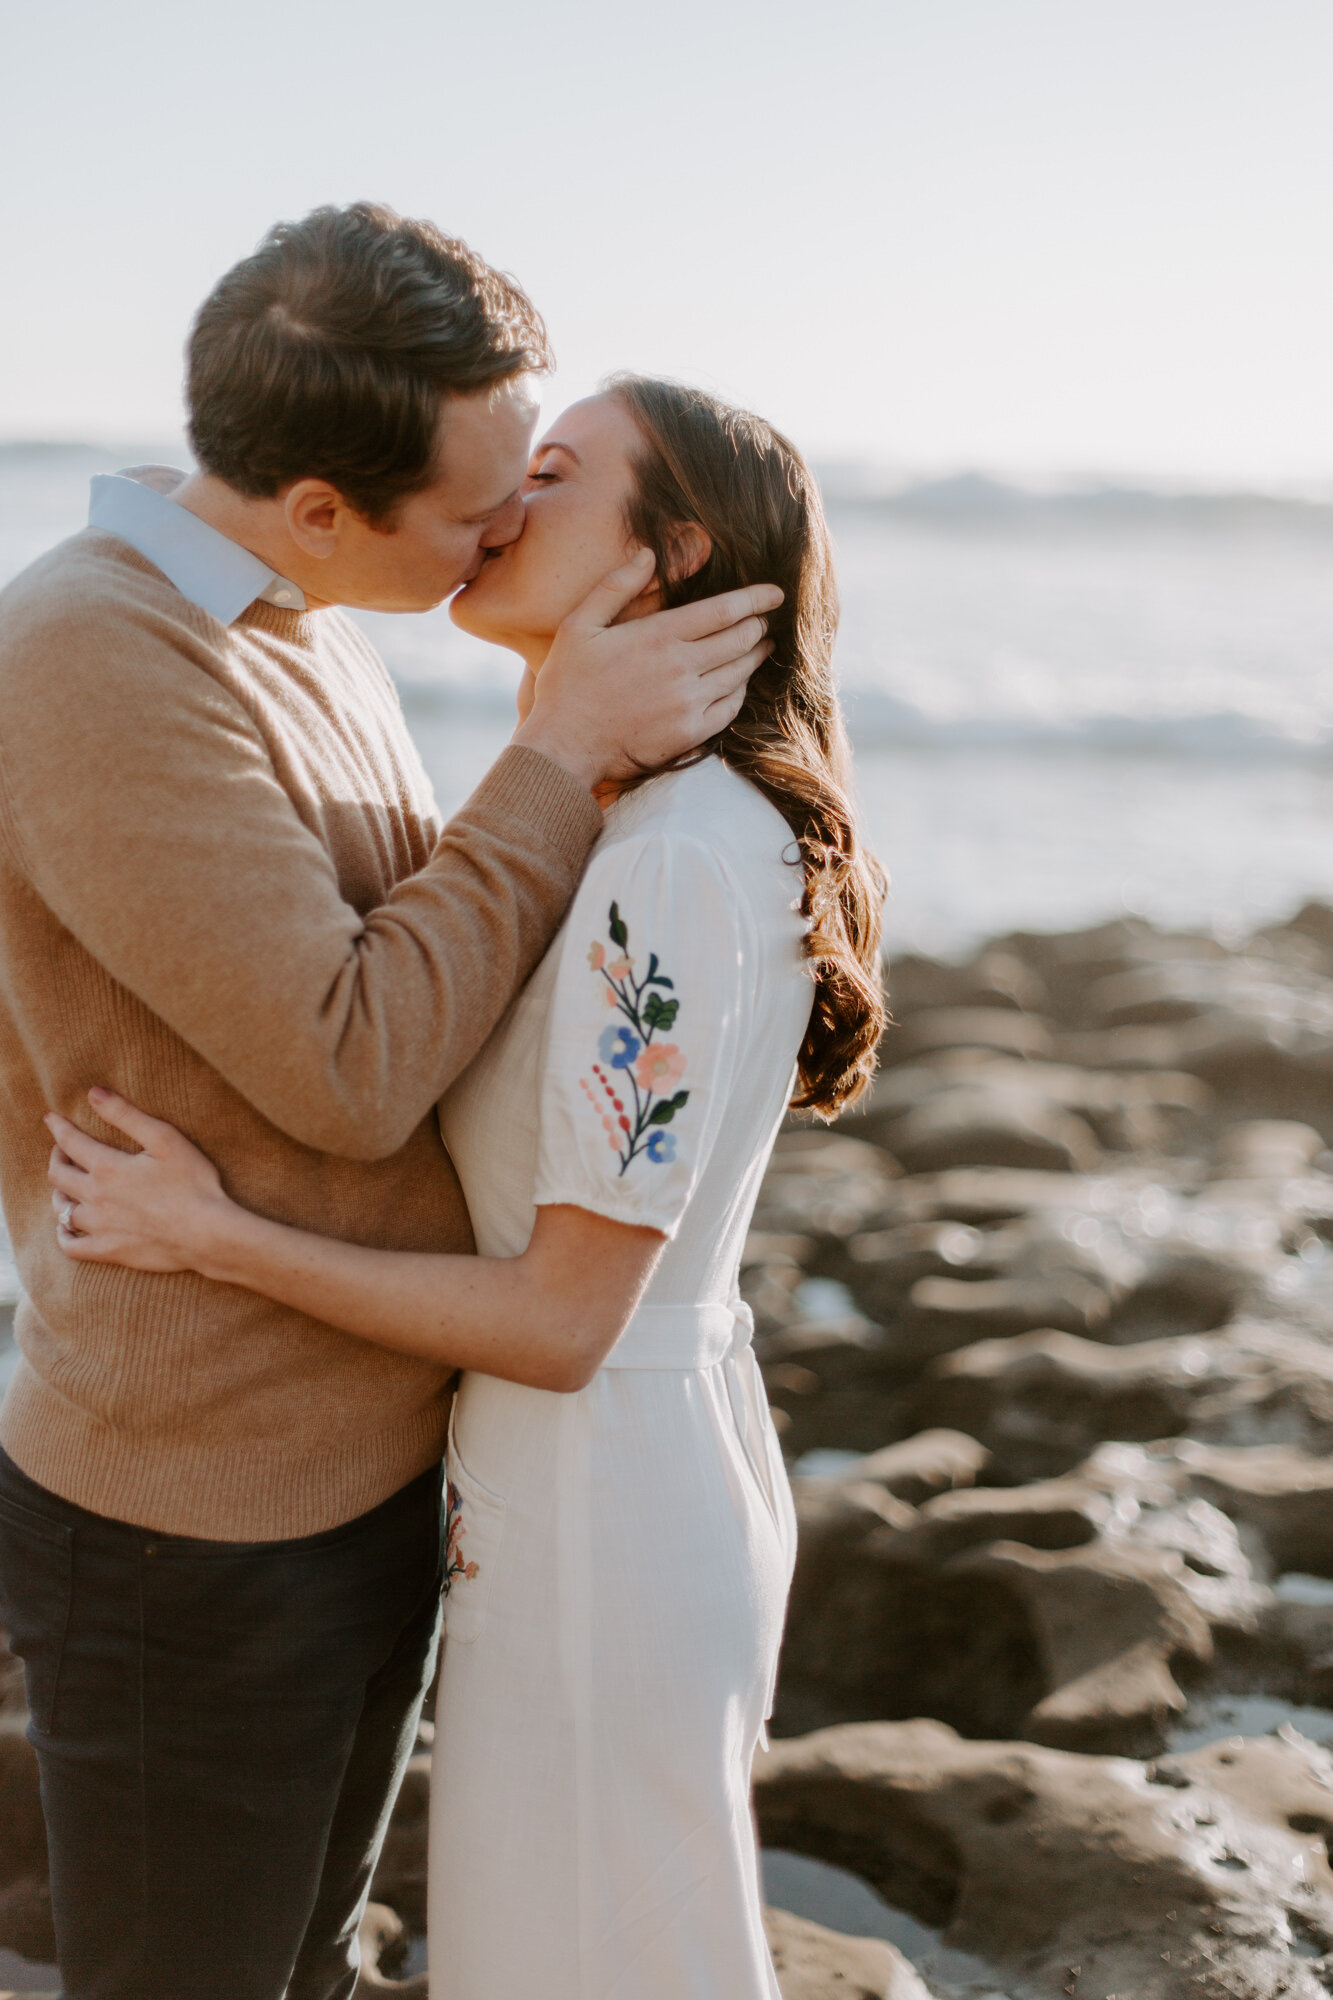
{"x": 438, "y": 538}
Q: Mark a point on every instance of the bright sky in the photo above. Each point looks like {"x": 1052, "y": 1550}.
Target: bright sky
{"x": 1035, "y": 235}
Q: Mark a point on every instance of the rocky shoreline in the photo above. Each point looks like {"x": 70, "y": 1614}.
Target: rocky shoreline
{"x": 1047, "y": 1326}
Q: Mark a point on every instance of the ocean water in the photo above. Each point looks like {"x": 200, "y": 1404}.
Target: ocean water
{"x": 1063, "y": 707}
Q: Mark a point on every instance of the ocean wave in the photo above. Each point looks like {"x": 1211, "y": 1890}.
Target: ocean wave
{"x": 977, "y": 499}
{"x": 883, "y": 722}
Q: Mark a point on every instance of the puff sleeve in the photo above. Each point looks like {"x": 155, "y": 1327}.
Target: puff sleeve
{"x": 646, "y": 1028}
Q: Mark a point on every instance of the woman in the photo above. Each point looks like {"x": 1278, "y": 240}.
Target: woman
{"x": 620, "y": 1529}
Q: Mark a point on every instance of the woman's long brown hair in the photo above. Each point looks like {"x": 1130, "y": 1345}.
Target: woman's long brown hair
{"x": 704, "y": 463}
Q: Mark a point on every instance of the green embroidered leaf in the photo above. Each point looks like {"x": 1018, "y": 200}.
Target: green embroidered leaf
{"x": 663, "y": 1113}
{"x": 619, "y": 930}
{"x": 659, "y": 1013}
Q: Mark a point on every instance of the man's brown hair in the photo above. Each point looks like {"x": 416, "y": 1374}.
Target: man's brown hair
{"x": 326, "y": 354}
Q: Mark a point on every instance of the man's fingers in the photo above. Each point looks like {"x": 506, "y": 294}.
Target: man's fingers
{"x": 720, "y": 649}
{"x": 731, "y": 684}
{"x": 607, "y": 599}
{"x": 732, "y": 675}
{"x": 715, "y": 614}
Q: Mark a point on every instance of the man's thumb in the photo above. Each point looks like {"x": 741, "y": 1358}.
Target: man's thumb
{"x": 607, "y": 599}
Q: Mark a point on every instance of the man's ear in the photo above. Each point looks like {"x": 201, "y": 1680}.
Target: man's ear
{"x": 689, "y": 549}
{"x": 311, "y": 509}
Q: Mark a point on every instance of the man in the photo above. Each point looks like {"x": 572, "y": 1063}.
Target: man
{"x": 223, "y": 888}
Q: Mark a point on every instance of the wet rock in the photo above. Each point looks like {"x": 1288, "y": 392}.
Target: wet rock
{"x": 383, "y": 1942}
{"x": 1204, "y": 1878}
{"x": 979, "y": 1124}
{"x": 25, "y": 1903}
{"x": 1102, "y": 1252}
{"x": 870, "y": 1634}
{"x": 1265, "y": 1149}
{"x": 1061, "y": 1612}
{"x": 1285, "y": 1496}
{"x": 1041, "y": 1402}
{"x": 815, "y": 1964}
{"x": 1313, "y": 923}
{"x": 825, "y": 1184}
{"x": 1114, "y": 1626}
{"x": 26, "y": 1924}
{"x": 13, "y": 1701}
{"x": 1152, "y": 1110}
{"x": 1129, "y": 1253}
{"x": 839, "y": 1384}
{"x": 958, "y": 1310}
{"x": 996, "y": 978}
{"x": 996, "y": 1030}
{"x": 400, "y": 1878}
{"x": 921, "y": 1466}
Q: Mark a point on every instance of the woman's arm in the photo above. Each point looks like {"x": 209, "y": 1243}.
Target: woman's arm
{"x": 547, "y": 1318}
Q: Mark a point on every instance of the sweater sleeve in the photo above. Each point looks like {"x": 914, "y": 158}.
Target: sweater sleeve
{"x": 645, "y": 1032}
{"x": 138, "y": 797}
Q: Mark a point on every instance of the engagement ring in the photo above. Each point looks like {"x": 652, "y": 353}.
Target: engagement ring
{"x": 67, "y": 1219}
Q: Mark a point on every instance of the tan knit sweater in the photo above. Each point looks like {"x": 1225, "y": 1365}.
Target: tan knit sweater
{"x": 224, "y": 891}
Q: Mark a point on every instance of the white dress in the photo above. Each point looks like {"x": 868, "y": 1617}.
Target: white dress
{"x": 619, "y": 1559}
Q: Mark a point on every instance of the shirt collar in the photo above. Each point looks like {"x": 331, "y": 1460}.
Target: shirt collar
{"x": 206, "y": 566}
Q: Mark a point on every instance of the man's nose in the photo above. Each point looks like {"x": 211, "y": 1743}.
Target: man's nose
{"x": 504, "y": 526}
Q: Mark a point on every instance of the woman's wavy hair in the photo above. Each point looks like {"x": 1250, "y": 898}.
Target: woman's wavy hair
{"x": 704, "y": 463}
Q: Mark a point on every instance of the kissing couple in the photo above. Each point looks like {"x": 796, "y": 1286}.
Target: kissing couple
{"x": 345, "y": 1101}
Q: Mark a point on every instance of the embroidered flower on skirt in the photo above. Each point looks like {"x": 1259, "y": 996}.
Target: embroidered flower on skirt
{"x": 455, "y": 1528}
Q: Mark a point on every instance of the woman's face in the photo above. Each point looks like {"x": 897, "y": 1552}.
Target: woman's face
{"x": 574, "y": 498}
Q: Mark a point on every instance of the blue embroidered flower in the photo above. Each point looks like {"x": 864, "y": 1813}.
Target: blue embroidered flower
{"x": 635, "y": 1096}
{"x": 618, "y": 1047}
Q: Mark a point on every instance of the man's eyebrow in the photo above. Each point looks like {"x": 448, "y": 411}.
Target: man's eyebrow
{"x": 554, "y": 444}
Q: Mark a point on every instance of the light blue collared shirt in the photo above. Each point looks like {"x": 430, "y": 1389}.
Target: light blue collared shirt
{"x": 214, "y": 572}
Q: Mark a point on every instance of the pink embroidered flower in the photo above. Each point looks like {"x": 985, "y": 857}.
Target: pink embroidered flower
{"x": 619, "y": 967}
{"x": 597, "y": 956}
{"x": 660, "y": 1067}
{"x": 610, "y": 998}
{"x": 455, "y": 1563}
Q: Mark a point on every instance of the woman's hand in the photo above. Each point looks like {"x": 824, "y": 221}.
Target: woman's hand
{"x": 160, "y": 1209}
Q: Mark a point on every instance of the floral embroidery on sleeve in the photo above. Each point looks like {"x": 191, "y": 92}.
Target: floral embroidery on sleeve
{"x": 454, "y": 1530}
{"x": 637, "y": 1074}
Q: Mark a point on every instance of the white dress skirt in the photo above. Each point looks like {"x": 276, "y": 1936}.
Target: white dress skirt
{"x": 619, "y": 1559}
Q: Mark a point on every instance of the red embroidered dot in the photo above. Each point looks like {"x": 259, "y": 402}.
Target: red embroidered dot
{"x": 619, "y": 1106}
{"x": 624, "y": 1124}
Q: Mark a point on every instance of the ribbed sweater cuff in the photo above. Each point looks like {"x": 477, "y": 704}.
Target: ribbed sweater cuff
{"x": 523, "y": 785}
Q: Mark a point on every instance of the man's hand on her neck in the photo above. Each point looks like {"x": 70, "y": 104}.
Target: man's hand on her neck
{"x": 614, "y": 700}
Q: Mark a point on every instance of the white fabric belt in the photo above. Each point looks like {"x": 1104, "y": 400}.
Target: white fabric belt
{"x": 682, "y": 1337}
